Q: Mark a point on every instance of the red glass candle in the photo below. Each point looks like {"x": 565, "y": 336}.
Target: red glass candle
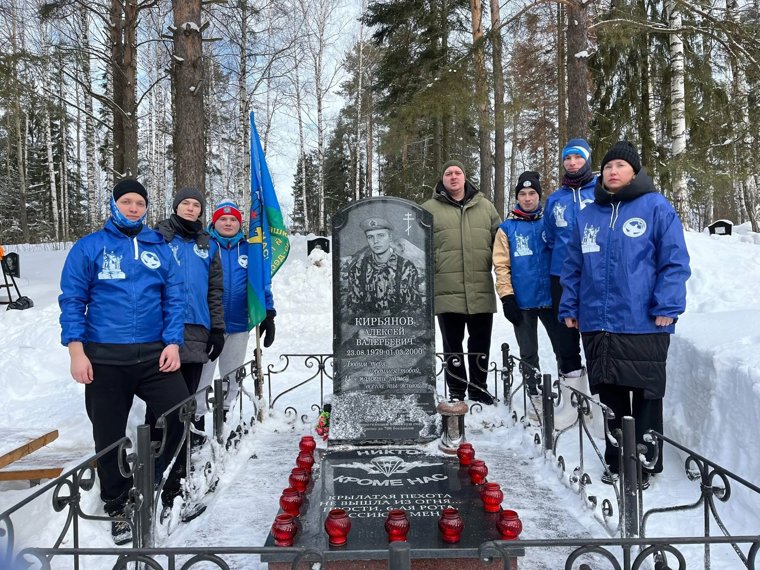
{"x": 465, "y": 453}
{"x": 305, "y": 460}
{"x": 291, "y": 501}
{"x": 397, "y": 525}
{"x": 307, "y": 444}
{"x": 510, "y": 526}
{"x": 283, "y": 530}
{"x": 299, "y": 479}
{"x": 337, "y": 526}
{"x": 477, "y": 471}
{"x": 492, "y": 496}
{"x": 450, "y": 524}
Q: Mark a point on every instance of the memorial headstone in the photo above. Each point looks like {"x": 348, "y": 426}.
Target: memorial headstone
{"x": 317, "y": 242}
{"x": 13, "y": 264}
{"x": 721, "y": 227}
{"x": 383, "y": 329}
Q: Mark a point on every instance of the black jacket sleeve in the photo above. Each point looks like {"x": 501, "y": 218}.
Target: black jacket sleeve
{"x": 215, "y": 290}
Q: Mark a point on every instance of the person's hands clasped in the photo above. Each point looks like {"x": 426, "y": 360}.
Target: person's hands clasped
{"x": 169, "y": 359}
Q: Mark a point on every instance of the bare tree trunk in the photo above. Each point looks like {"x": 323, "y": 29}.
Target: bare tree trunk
{"x": 244, "y": 183}
{"x": 578, "y": 112}
{"x": 20, "y": 137}
{"x": 189, "y": 122}
{"x": 92, "y": 188}
{"x": 64, "y": 164}
{"x": 678, "y": 113}
{"x": 481, "y": 98}
{"x": 370, "y": 144}
{"x": 360, "y": 72}
{"x": 744, "y": 168}
{"x": 498, "y": 96}
{"x": 561, "y": 77}
{"x": 301, "y": 145}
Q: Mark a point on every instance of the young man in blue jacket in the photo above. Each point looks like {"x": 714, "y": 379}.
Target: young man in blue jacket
{"x": 562, "y": 209}
{"x": 198, "y": 257}
{"x": 226, "y": 231}
{"x": 624, "y": 286}
{"x": 521, "y": 261}
{"x": 122, "y": 308}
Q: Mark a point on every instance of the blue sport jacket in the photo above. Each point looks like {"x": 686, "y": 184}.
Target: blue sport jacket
{"x": 529, "y": 257}
{"x": 561, "y": 210}
{"x": 121, "y": 290}
{"x": 627, "y": 262}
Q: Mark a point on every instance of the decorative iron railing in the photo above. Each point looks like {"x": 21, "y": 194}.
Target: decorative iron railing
{"x": 715, "y": 480}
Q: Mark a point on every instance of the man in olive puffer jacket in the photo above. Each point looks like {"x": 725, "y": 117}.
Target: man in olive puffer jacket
{"x": 464, "y": 226}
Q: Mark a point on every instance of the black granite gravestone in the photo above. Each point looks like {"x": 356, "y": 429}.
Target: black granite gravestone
{"x": 383, "y": 330}
{"x": 367, "y": 483}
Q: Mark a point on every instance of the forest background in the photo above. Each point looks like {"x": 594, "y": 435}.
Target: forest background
{"x": 367, "y": 98}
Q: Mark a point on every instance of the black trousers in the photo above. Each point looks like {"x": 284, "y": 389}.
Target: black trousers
{"x": 647, "y": 412}
{"x": 527, "y": 340}
{"x": 452, "y": 327}
{"x": 108, "y": 399}
{"x": 569, "y": 339}
{"x": 191, "y": 375}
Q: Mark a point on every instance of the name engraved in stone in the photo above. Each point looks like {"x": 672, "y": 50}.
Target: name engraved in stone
{"x": 384, "y": 321}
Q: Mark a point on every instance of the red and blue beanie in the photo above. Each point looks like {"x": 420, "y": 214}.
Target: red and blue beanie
{"x": 226, "y": 208}
{"x": 579, "y": 147}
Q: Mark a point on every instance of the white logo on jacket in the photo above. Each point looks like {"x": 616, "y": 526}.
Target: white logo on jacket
{"x": 111, "y": 268}
{"x": 634, "y": 227}
{"x": 202, "y": 253}
{"x": 150, "y": 260}
{"x": 523, "y": 247}
{"x": 559, "y": 216}
{"x": 243, "y": 261}
{"x": 588, "y": 243}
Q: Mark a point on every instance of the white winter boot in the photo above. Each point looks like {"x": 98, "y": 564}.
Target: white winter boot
{"x": 536, "y": 409}
{"x": 566, "y": 414}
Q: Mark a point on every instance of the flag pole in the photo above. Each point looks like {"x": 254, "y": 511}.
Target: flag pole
{"x": 259, "y": 376}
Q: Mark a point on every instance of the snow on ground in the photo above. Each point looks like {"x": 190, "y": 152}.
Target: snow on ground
{"x": 712, "y": 406}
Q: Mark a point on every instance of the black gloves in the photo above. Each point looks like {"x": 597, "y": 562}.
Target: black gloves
{"x": 267, "y": 328}
{"x": 512, "y": 310}
{"x": 215, "y": 344}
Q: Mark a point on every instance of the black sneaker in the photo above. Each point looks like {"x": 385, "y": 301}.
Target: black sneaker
{"x": 644, "y": 481}
{"x": 121, "y": 531}
{"x": 609, "y": 478}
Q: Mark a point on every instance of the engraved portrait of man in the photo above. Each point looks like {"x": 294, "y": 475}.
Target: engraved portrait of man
{"x": 380, "y": 280}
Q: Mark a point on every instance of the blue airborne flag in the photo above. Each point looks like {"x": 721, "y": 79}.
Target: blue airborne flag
{"x": 269, "y": 244}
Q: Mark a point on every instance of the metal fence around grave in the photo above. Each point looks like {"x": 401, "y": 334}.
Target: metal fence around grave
{"x": 629, "y": 551}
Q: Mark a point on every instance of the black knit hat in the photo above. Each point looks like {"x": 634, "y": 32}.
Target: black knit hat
{"x": 185, "y": 193}
{"x": 129, "y": 185}
{"x": 623, "y": 150}
{"x": 529, "y": 179}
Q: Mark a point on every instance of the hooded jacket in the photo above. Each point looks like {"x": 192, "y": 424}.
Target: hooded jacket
{"x": 627, "y": 262}
{"x": 463, "y": 237}
{"x": 561, "y": 210}
{"x": 121, "y": 290}
{"x": 198, "y": 259}
{"x": 521, "y": 261}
